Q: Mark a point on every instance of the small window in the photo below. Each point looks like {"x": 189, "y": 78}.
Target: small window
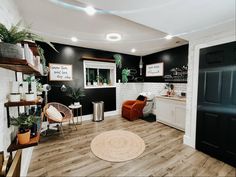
{"x": 99, "y": 74}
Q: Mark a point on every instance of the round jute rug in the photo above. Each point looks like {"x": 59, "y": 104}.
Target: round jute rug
{"x": 117, "y": 146}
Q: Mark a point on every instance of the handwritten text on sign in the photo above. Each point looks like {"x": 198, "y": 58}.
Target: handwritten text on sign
{"x": 155, "y": 69}
{"x": 60, "y": 72}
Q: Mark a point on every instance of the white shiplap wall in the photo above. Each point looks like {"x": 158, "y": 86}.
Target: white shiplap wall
{"x": 9, "y": 15}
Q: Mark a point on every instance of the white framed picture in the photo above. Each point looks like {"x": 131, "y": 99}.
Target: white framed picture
{"x": 60, "y": 72}
{"x": 155, "y": 70}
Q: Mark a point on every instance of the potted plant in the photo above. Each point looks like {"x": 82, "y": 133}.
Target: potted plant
{"x": 24, "y": 123}
{"x": 10, "y": 40}
{"x": 125, "y": 74}
{"x": 76, "y": 95}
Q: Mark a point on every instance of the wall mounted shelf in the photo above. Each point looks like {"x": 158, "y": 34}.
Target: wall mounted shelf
{"x": 18, "y": 65}
{"x": 22, "y": 103}
{"x": 18, "y": 104}
{"x": 15, "y": 145}
{"x": 98, "y": 59}
{"x": 33, "y": 141}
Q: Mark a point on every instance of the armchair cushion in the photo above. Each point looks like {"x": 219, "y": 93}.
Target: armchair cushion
{"x": 54, "y": 114}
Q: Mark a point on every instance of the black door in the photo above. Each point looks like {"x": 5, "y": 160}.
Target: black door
{"x": 216, "y": 112}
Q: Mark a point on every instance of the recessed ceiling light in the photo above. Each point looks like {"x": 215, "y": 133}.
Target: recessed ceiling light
{"x": 90, "y": 10}
{"x": 74, "y": 39}
{"x": 133, "y": 50}
{"x": 113, "y": 37}
{"x": 169, "y": 37}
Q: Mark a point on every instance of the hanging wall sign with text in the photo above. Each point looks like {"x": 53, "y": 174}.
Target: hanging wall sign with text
{"x": 60, "y": 72}
{"x": 154, "y": 70}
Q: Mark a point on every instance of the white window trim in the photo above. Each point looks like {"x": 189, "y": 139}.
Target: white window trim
{"x": 100, "y": 65}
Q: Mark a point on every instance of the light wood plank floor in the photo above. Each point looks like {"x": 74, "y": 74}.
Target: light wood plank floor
{"x": 165, "y": 154}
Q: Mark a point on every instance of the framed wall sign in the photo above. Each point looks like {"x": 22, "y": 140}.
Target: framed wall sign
{"x": 60, "y": 72}
{"x": 156, "y": 69}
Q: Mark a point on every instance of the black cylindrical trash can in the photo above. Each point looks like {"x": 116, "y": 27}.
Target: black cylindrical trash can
{"x": 98, "y": 111}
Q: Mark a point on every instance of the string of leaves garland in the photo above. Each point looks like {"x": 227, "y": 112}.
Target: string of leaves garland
{"x": 125, "y": 74}
{"x": 118, "y": 60}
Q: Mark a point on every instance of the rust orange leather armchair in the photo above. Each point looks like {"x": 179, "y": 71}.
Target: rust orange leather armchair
{"x": 133, "y": 109}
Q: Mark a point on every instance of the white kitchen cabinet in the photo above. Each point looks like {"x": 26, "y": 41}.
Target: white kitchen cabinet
{"x": 171, "y": 111}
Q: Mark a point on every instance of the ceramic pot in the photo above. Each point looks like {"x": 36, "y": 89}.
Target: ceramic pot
{"x": 11, "y": 50}
{"x": 14, "y": 97}
{"x": 29, "y": 97}
{"x": 23, "y": 138}
{"x": 76, "y": 103}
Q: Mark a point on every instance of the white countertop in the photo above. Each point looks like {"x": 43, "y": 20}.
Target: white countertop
{"x": 175, "y": 98}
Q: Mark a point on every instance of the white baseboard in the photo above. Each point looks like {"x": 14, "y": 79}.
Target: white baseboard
{"x": 106, "y": 114}
{"x": 188, "y": 141}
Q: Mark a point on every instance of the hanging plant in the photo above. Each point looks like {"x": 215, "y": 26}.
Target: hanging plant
{"x": 125, "y": 74}
{"x": 118, "y": 60}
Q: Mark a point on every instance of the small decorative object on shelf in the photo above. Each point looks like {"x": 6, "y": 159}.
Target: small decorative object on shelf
{"x": 24, "y": 123}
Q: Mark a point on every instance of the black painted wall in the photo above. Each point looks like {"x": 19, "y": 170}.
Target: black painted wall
{"x": 172, "y": 58}
{"x": 72, "y": 55}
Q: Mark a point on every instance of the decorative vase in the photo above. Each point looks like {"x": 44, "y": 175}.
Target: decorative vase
{"x": 23, "y": 138}
{"x": 11, "y": 50}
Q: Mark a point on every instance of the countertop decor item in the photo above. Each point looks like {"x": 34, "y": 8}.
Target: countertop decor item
{"x": 117, "y": 146}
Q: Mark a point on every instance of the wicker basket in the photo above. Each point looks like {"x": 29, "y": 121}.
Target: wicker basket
{"x": 11, "y": 51}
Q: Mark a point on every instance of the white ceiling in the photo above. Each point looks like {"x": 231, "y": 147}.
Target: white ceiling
{"x": 188, "y": 19}
{"x": 58, "y": 24}
{"x": 142, "y": 24}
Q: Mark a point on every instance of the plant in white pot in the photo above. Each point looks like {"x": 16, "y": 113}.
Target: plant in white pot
{"x": 9, "y": 40}
{"x": 76, "y": 94}
{"x": 24, "y": 123}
